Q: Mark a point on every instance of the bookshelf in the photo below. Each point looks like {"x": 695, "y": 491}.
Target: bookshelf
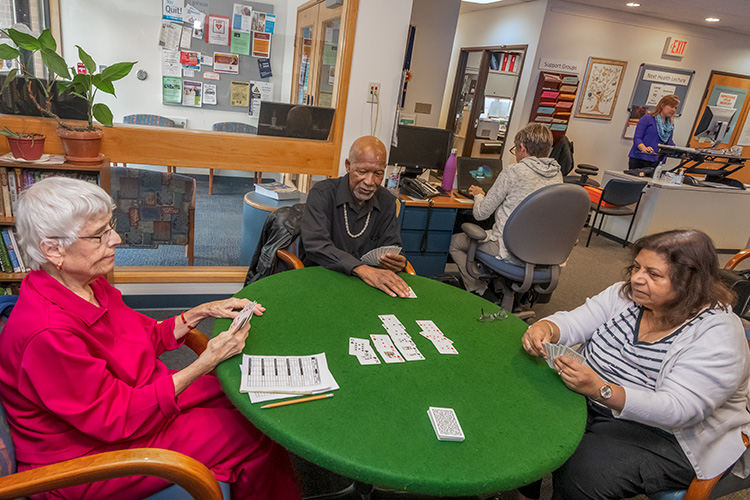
{"x": 15, "y": 176}
{"x": 553, "y": 101}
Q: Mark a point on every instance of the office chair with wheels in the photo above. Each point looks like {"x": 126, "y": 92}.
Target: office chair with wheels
{"x": 615, "y": 200}
{"x": 584, "y": 170}
{"x": 237, "y": 128}
{"x": 541, "y": 233}
{"x": 153, "y": 121}
{"x": 192, "y": 479}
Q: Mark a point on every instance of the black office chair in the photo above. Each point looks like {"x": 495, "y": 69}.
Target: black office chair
{"x": 584, "y": 170}
{"x": 541, "y": 233}
{"x": 615, "y": 200}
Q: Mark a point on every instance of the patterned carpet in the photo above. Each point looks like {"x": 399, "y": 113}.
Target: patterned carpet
{"x": 218, "y": 228}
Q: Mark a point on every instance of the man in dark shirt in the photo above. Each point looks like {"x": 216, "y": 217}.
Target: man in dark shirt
{"x": 347, "y": 217}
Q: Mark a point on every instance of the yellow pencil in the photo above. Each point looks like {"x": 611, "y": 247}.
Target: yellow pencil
{"x": 300, "y": 400}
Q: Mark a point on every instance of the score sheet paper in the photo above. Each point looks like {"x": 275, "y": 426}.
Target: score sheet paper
{"x": 267, "y": 378}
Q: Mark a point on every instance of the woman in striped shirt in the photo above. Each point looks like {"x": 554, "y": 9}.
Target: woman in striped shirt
{"x": 666, "y": 374}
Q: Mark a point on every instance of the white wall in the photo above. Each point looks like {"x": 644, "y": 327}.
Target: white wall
{"x": 435, "y": 22}
{"x": 519, "y": 24}
{"x": 575, "y": 32}
{"x": 382, "y": 28}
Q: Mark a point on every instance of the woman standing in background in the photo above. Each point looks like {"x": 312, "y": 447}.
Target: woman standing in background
{"x": 654, "y": 128}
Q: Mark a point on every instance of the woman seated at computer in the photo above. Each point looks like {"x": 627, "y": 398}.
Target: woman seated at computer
{"x": 654, "y": 128}
{"x": 79, "y": 372}
{"x": 533, "y": 170}
{"x": 666, "y": 374}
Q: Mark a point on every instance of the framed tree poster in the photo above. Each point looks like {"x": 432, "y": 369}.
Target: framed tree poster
{"x": 600, "y": 89}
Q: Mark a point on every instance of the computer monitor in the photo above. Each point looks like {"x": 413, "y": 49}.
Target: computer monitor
{"x": 421, "y": 148}
{"x": 714, "y": 124}
{"x": 294, "y": 120}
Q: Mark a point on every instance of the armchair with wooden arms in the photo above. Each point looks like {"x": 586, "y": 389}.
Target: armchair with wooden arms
{"x": 192, "y": 479}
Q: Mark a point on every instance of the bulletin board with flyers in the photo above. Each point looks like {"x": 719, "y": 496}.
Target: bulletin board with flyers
{"x": 223, "y": 55}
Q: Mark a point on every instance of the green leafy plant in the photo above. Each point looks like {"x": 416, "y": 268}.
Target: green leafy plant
{"x": 84, "y": 86}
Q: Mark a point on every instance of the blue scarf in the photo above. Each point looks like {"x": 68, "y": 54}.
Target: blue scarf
{"x": 664, "y": 128}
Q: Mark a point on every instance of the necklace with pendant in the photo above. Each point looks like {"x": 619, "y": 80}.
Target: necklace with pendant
{"x": 346, "y": 223}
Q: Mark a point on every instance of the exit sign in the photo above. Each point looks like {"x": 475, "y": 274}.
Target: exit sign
{"x": 674, "y": 47}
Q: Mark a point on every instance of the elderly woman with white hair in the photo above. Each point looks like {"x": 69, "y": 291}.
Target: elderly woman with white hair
{"x": 79, "y": 369}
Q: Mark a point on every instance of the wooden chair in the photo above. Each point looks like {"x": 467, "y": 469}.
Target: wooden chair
{"x": 153, "y": 121}
{"x": 189, "y": 475}
{"x": 237, "y": 128}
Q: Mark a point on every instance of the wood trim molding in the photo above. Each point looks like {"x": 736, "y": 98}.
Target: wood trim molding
{"x": 178, "y": 274}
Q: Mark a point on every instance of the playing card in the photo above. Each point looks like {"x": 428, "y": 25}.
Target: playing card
{"x": 364, "y": 352}
{"x": 446, "y": 424}
{"x": 429, "y": 326}
{"x": 387, "y": 350}
{"x": 555, "y": 350}
{"x": 371, "y": 258}
{"x": 411, "y": 295}
{"x": 243, "y": 317}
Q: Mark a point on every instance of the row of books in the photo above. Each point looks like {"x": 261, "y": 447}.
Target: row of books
{"x": 12, "y": 260}
{"x": 14, "y": 180}
{"x": 10, "y": 288}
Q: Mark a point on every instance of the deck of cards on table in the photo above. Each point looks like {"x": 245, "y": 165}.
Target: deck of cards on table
{"x": 555, "y": 350}
{"x": 446, "y": 424}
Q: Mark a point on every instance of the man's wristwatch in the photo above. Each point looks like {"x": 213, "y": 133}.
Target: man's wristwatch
{"x": 605, "y": 392}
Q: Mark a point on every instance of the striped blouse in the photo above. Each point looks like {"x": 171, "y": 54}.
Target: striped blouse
{"x": 617, "y": 356}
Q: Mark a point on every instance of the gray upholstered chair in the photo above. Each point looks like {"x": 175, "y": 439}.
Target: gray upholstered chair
{"x": 541, "y": 233}
{"x": 154, "y": 208}
{"x": 236, "y": 128}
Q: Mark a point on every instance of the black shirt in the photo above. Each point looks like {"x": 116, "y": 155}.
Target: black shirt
{"x": 325, "y": 239}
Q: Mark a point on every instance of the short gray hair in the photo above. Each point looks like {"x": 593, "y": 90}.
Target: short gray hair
{"x": 56, "y": 208}
{"x": 536, "y": 138}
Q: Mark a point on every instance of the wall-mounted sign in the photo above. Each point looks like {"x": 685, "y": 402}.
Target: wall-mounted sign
{"x": 559, "y": 65}
{"x": 674, "y": 47}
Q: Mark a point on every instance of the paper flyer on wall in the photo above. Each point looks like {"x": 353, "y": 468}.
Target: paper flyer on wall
{"x": 195, "y": 19}
{"x": 171, "y": 89}
{"x": 259, "y": 21}
{"x": 239, "y": 94}
{"x": 209, "y": 93}
{"x": 240, "y": 43}
{"x": 190, "y": 60}
{"x": 210, "y": 75}
{"x": 170, "y": 63}
{"x": 192, "y": 93}
{"x": 187, "y": 37}
{"x": 264, "y": 67}
{"x": 217, "y": 31}
{"x": 225, "y": 62}
{"x": 169, "y": 36}
{"x": 188, "y": 73}
{"x": 172, "y": 10}
{"x": 261, "y": 44}
{"x": 259, "y": 91}
{"x": 242, "y": 17}
{"x": 270, "y": 26}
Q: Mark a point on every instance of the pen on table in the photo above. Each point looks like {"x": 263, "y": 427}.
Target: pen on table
{"x": 295, "y": 401}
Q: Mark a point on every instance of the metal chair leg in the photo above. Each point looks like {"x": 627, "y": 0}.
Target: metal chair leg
{"x": 592, "y": 223}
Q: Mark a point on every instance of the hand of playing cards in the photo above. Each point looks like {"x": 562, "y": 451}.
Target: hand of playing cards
{"x": 243, "y": 318}
{"x": 555, "y": 350}
{"x": 372, "y": 257}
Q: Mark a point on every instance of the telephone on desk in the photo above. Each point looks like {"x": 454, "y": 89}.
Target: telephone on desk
{"x": 418, "y": 188}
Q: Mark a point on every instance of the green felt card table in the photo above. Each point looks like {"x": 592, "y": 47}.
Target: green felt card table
{"x": 520, "y": 420}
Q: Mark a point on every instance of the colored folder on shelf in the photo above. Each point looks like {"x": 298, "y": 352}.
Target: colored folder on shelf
{"x": 567, "y": 97}
{"x": 543, "y": 119}
{"x": 549, "y": 94}
{"x": 570, "y": 80}
{"x": 545, "y": 110}
{"x": 569, "y": 88}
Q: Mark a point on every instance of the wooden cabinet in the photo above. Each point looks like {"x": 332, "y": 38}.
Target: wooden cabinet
{"x": 17, "y": 176}
{"x": 318, "y": 36}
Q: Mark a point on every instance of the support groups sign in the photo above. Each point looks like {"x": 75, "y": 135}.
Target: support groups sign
{"x": 560, "y": 66}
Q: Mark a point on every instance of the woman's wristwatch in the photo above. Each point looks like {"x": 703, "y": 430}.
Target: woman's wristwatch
{"x": 605, "y": 392}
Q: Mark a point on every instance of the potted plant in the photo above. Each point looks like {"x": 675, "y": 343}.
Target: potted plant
{"x": 26, "y": 146}
{"x": 80, "y": 143}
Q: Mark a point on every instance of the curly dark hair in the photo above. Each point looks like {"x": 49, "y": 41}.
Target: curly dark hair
{"x": 693, "y": 271}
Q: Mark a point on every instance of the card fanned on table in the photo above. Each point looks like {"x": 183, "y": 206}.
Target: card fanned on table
{"x": 363, "y": 350}
{"x": 555, "y": 350}
{"x": 430, "y": 331}
{"x": 400, "y": 337}
{"x": 387, "y": 350}
{"x": 446, "y": 424}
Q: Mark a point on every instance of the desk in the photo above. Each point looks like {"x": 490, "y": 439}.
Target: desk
{"x": 519, "y": 419}
{"x": 254, "y": 214}
{"x": 720, "y": 213}
{"x": 413, "y": 220}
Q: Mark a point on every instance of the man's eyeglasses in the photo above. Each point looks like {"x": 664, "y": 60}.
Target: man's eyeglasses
{"x": 488, "y": 318}
{"x": 512, "y": 150}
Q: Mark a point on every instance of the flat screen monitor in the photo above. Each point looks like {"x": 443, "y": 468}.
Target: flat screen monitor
{"x": 714, "y": 124}
{"x": 421, "y": 148}
{"x": 294, "y": 120}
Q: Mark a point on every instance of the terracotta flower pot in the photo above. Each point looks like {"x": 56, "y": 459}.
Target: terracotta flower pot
{"x": 27, "y": 148}
{"x": 81, "y": 147}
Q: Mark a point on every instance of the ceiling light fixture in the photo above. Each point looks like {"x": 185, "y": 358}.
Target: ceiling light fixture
{"x": 482, "y": 1}
{"x": 713, "y": 19}
{"x": 633, "y": 4}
